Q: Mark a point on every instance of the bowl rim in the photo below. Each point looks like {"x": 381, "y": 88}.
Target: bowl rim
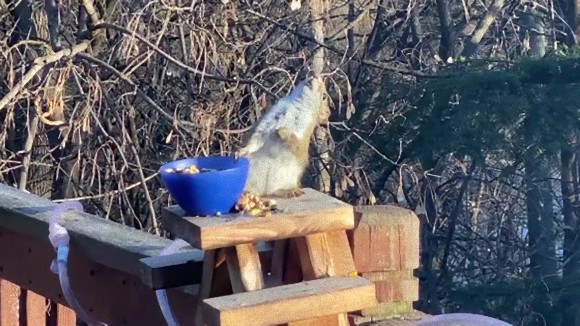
{"x": 235, "y": 167}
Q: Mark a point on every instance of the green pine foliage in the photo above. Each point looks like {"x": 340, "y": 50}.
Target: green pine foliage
{"x": 482, "y": 110}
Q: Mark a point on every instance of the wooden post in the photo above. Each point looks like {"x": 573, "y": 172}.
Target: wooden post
{"x": 9, "y": 303}
{"x": 325, "y": 255}
{"x": 36, "y": 306}
{"x": 65, "y": 316}
{"x": 385, "y": 244}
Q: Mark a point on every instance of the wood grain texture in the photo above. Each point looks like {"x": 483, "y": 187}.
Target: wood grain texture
{"x": 330, "y": 320}
{"x": 112, "y": 296}
{"x": 394, "y": 286}
{"x": 313, "y": 212}
{"x": 325, "y": 255}
{"x": 386, "y": 238}
{"x": 106, "y": 242}
{"x": 65, "y": 316}
{"x": 246, "y": 263}
{"x": 162, "y": 272}
{"x": 181, "y": 269}
{"x": 233, "y": 270}
{"x": 388, "y": 309}
{"x": 36, "y": 306}
{"x": 9, "y": 303}
{"x": 300, "y": 301}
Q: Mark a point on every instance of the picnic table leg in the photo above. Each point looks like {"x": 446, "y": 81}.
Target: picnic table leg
{"x": 322, "y": 255}
{"x": 245, "y": 268}
{"x": 205, "y": 286}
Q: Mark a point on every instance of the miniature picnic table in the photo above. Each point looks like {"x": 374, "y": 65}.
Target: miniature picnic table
{"x": 316, "y": 225}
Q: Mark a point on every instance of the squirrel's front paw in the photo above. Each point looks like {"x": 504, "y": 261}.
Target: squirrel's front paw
{"x": 287, "y": 135}
{"x": 241, "y": 153}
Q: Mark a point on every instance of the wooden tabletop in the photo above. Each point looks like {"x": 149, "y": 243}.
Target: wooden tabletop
{"x": 313, "y": 212}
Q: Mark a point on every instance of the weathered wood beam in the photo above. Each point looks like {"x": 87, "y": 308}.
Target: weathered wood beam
{"x": 294, "y": 302}
{"x": 102, "y": 241}
{"x": 313, "y": 212}
{"x": 110, "y": 295}
{"x": 164, "y": 272}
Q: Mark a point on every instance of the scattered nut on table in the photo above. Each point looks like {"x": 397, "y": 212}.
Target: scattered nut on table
{"x": 253, "y": 205}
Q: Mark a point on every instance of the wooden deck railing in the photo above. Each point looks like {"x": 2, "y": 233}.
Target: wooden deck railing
{"x": 115, "y": 284}
{"x": 104, "y": 267}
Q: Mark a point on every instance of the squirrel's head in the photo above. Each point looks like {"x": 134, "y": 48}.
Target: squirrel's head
{"x": 315, "y": 82}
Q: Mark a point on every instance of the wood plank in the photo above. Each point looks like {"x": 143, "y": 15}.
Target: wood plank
{"x": 206, "y": 283}
{"x": 221, "y": 284}
{"x": 388, "y": 309}
{"x": 9, "y": 302}
{"x": 181, "y": 269}
{"x": 283, "y": 304}
{"x": 233, "y": 270}
{"x": 245, "y": 268}
{"x": 325, "y": 254}
{"x": 313, "y": 212}
{"x": 105, "y": 242}
{"x": 395, "y": 286}
{"x": 330, "y": 320}
{"x": 163, "y": 272}
{"x": 112, "y": 296}
{"x": 36, "y": 306}
{"x": 65, "y": 316}
{"x": 386, "y": 238}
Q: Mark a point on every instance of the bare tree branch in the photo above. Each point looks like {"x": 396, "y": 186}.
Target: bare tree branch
{"x": 40, "y": 63}
{"x": 481, "y": 28}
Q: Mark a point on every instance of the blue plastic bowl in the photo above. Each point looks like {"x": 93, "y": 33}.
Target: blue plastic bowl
{"x": 206, "y": 193}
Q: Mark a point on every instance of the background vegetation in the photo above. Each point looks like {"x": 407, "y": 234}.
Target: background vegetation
{"x": 466, "y": 112}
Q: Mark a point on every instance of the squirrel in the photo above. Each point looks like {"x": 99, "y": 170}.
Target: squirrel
{"x": 278, "y": 145}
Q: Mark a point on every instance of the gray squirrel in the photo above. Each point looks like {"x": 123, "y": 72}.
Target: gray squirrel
{"x": 278, "y": 145}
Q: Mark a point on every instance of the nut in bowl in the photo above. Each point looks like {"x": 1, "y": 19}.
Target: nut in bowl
{"x": 206, "y": 186}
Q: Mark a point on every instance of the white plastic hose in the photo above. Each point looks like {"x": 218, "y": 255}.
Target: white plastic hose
{"x": 162, "y": 299}
{"x": 59, "y": 239}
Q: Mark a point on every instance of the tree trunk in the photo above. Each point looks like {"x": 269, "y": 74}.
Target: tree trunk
{"x": 534, "y": 27}
{"x": 571, "y": 268}
{"x": 541, "y": 236}
{"x": 539, "y": 204}
{"x": 322, "y": 146}
{"x": 447, "y": 45}
{"x": 446, "y": 277}
{"x": 428, "y": 281}
{"x": 482, "y": 26}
